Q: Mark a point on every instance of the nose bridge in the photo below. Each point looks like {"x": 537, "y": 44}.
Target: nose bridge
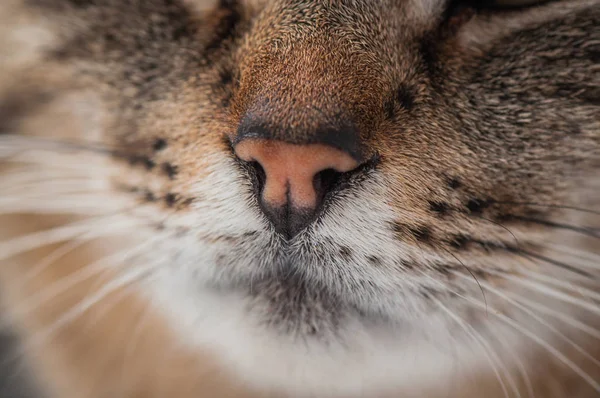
{"x": 310, "y": 93}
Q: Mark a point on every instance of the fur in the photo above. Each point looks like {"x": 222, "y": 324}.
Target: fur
{"x": 461, "y": 259}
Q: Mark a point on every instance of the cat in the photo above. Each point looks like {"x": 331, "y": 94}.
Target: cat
{"x": 301, "y": 198}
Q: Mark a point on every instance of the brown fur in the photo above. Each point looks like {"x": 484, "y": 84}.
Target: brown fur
{"x": 471, "y": 120}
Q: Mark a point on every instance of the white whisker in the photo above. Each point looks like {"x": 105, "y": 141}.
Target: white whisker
{"x": 75, "y": 207}
{"x": 133, "y": 340}
{"x": 558, "y": 315}
{"x": 517, "y": 360}
{"x": 489, "y": 353}
{"x": 84, "y": 273}
{"x": 537, "y": 318}
{"x": 550, "y": 292}
{"x": 565, "y": 284}
{"x": 58, "y": 161}
{"x": 109, "y": 304}
{"x": 544, "y": 344}
{"x": 125, "y": 280}
{"x": 46, "y": 175}
{"x": 591, "y": 260}
{"x": 17, "y": 141}
{"x": 42, "y": 197}
{"x": 26, "y": 243}
{"x": 48, "y": 188}
{"x": 54, "y": 256}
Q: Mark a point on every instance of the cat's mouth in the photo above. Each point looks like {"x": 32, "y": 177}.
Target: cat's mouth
{"x": 287, "y": 291}
{"x": 291, "y": 303}
{"x": 329, "y": 184}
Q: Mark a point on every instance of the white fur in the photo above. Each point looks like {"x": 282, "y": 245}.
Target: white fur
{"x": 367, "y": 358}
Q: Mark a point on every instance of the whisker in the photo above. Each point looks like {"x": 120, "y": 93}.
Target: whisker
{"x": 537, "y": 318}
{"x": 517, "y": 360}
{"x": 96, "y": 206}
{"x": 572, "y": 322}
{"x": 133, "y": 340}
{"x": 544, "y": 344}
{"x": 471, "y": 273}
{"x": 560, "y": 283}
{"x": 46, "y": 175}
{"x": 48, "y": 188}
{"x": 82, "y": 274}
{"x": 560, "y": 264}
{"x": 591, "y": 260}
{"x": 26, "y": 243}
{"x": 58, "y": 197}
{"x": 19, "y": 142}
{"x": 488, "y": 351}
{"x": 490, "y": 354}
{"x": 54, "y": 256}
{"x": 550, "y": 292}
{"x": 127, "y": 279}
{"x": 27, "y": 159}
{"x": 531, "y": 255}
{"x": 589, "y": 231}
{"x": 503, "y": 227}
{"x": 548, "y": 205}
{"x": 109, "y": 304}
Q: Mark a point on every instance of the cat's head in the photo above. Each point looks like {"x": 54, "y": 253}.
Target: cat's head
{"x": 343, "y": 191}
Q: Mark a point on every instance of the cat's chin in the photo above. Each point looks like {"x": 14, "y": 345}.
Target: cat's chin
{"x": 316, "y": 348}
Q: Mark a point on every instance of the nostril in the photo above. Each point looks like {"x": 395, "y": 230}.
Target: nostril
{"x": 325, "y": 182}
{"x": 259, "y": 175}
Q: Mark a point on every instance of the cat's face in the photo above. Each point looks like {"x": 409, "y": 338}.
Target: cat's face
{"x": 470, "y": 145}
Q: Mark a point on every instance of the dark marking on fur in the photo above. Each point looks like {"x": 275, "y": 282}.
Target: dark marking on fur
{"x": 148, "y": 163}
{"x": 220, "y": 260}
{"x": 346, "y": 252}
{"x": 422, "y": 234}
{"x": 441, "y": 208}
{"x": 374, "y": 260}
{"x": 400, "y": 230}
{"x": 187, "y": 201}
{"x": 128, "y": 188}
{"x": 159, "y": 144}
{"x": 170, "y": 199}
{"x": 477, "y": 206}
{"x": 454, "y": 183}
{"x": 226, "y": 77}
{"x": 170, "y": 170}
{"x": 444, "y": 269}
{"x": 429, "y": 56}
{"x": 405, "y": 97}
{"x": 225, "y": 27}
{"x": 460, "y": 242}
{"x": 149, "y": 196}
{"x": 226, "y": 100}
{"x": 390, "y": 109}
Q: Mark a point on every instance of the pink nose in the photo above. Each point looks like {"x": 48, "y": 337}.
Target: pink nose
{"x": 291, "y": 169}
